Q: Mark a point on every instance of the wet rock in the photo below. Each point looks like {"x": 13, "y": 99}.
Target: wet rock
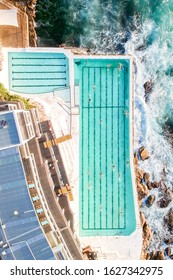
{"x": 141, "y": 47}
{"x": 167, "y": 197}
{"x": 31, "y": 23}
{"x": 140, "y": 203}
{"x": 147, "y": 256}
{"x": 147, "y": 231}
{"x": 138, "y": 181}
{"x": 149, "y": 185}
{"x": 168, "y": 219}
{"x": 148, "y": 86}
{"x": 146, "y": 177}
{"x": 147, "y": 234}
{"x": 162, "y": 186}
{"x": 150, "y": 200}
{"x": 142, "y": 191}
{"x": 165, "y": 171}
{"x": 160, "y": 256}
{"x": 168, "y": 251}
{"x": 168, "y": 241}
{"x": 142, "y": 219}
{"x": 165, "y": 190}
{"x": 169, "y": 193}
{"x": 163, "y": 202}
{"x": 135, "y": 160}
{"x": 152, "y": 255}
{"x": 30, "y": 5}
{"x": 143, "y": 255}
{"x": 139, "y": 173}
{"x": 143, "y": 153}
{"x": 155, "y": 184}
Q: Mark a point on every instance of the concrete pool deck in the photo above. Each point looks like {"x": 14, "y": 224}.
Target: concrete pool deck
{"x": 115, "y": 247}
{"x": 107, "y": 247}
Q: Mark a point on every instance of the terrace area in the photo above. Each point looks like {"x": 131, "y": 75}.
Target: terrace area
{"x": 13, "y": 36}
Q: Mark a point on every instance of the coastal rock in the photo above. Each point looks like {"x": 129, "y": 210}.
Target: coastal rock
{"x": 162, "y": 186}
{"x": 147, "y": 234}
{"x": 144, "y": 255}
{"x": 147, "y": 257}
{"x": 168, "y": 241}
{"x": 148, "y": 86}
{"x": 135, "y": 159}
{"x": 149, "y": 185}
{"x": 163, "y": 202}
{"x": 168, "y": 251}
{"x": 138, "y": 180}
{"x": 167, "y": 197}
{"x": 169, "y": 193}
{"x": 30, "y": 5}
{"x": 142, "y": 219}
{"x": 164, "y": 172}
{"x": 150, "y": 200}
{"x": 152, "y": 255}
{"x": 146, "y": 177}
{"x": 146, "y": 230}
{"x": 142, "y": 191}
{"x": 155, "y": 184}
{"x": 168, "y": 219}
{"x": 31, "y": 22}
{"x": 139, "y": 173}
{"x": 141, "y": 47}
{"x": 160, "y": 256}
{"x": 139, "y": 203}
{"x": 143, "y": 153}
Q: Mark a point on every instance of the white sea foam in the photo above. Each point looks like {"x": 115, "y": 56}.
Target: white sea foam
{"x": 151, "y": 64}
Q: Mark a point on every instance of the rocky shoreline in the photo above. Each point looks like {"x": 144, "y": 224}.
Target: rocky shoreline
{"x": 144, "y": 186}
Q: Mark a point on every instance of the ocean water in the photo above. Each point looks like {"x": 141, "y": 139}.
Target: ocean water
{"x": 144, "y": 29}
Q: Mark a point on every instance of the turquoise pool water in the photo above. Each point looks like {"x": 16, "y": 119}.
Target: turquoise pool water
{"x": 105, "y": 189}
{"x": 34, "y": 72}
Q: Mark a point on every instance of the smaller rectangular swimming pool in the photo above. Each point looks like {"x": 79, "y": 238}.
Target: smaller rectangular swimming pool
{"x": 105, "y": 188}
{"x": 34, "y": 72}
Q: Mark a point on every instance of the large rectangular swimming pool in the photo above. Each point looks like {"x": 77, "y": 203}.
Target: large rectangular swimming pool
{"x": 105, "y": 187}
